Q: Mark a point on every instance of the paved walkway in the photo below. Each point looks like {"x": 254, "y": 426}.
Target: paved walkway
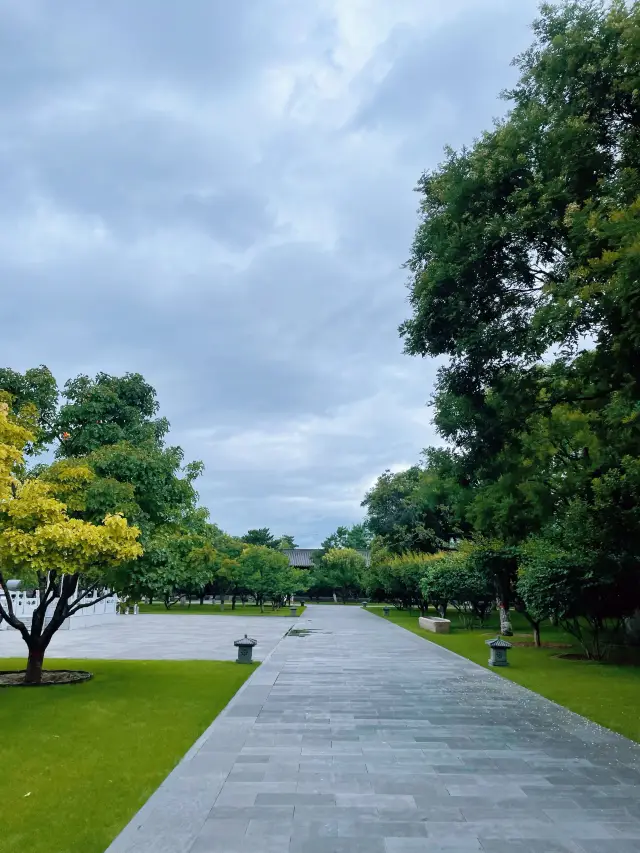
{"x": 363, "y": 738}
{"x": 160, "y": 637}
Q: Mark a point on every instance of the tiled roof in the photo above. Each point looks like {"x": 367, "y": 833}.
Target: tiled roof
{"x": 301, "y": 557}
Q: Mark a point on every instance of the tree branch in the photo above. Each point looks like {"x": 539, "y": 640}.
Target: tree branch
{"x": 76, "y": 607}
{"x": 9, "y": 614}
{"x": 87, "y": 591}
{"x": 68, "y": 586}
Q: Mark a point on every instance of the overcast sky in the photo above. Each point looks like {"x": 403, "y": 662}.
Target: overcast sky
{"x": 218, "y": 194}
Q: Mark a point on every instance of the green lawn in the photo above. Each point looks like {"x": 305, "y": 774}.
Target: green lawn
{"x": 603, "y": 692}
{"x": 79, "y": 760}
{"x": 198, "y": 609}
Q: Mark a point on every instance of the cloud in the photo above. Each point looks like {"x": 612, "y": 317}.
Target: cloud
{"x": 220, "y": 196}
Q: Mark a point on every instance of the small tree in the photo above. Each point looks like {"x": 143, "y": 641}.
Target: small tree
{"x": 343, "y": 570}
{"x": 229, "y": 573}
{"x": 455, "y": 577}
{"x": 267, "y": 575}
{"x": 401, "y": 578}
{"x": 67, "y": 558}
{"x": 588, "y": 592}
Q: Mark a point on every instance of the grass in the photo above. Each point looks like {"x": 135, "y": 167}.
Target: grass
{"x": 606, "y": 693}
{"x": 79, "y": 760}
{"x": 198, "y": 609}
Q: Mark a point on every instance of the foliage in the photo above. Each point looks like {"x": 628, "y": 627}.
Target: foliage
{"x": 524, "y": 281}
{"x": 108, "y": 410}
{"x": 262, "y": 536}
{"x": 286, "y": 542}
{"x": 457, "y": 578}
{"x": 35, "y": 388}
{"x": 16, "y": 432}
{"x": 358, "y": 537}
{"x": 342, "y": 570}
{"x": 267, "y": 575}
{"x": 406, "y": 511}
{"x": 400, "y": 577}
{"x": 564, "y": 575}
{"x": 67, "y": 556}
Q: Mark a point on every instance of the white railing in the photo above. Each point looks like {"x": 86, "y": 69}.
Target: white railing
{"x": 97, "y": 613}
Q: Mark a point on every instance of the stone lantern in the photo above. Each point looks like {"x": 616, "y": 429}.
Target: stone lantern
{"x": 498, "y": 653}
{"x": 364, "y": 604}
{"x": 293, "y": 610}
{"x": 386, "y": 610}
{"x": 245, "y": 649}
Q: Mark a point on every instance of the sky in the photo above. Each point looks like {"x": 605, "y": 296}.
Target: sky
{"x": 220, "y": 195}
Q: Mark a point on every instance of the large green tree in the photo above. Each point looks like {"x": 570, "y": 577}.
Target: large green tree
{"x": 108, "y": 410}
{"x": 524, "y": 277}
{"x": 36, "y": 386}
{"x": 413, "y": 510}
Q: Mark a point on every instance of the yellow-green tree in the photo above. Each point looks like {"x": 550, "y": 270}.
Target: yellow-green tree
{"x": 66, "y": 558}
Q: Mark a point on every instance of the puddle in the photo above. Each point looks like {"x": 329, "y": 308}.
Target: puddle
{"x": 303, "y": 632}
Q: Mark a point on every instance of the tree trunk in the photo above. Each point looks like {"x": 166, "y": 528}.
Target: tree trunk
{"x": 33, "y": 675}
{"x": 505, "y": 623}
{"x": 150, "y": 599}
{"x": 536, "y": 634}
{"x": 233, "y": 602}
{"x": 201, "y": 599}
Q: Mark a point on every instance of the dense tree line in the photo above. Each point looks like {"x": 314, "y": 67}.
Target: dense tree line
{"x": 524, "y": 277}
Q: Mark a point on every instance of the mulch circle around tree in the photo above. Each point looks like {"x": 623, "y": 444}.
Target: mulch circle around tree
{"x": 50, "y": 677}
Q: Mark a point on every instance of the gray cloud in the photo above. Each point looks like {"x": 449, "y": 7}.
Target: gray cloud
{"x": 219, "y": 195}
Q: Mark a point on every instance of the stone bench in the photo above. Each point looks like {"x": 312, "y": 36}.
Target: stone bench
{"x": 435, "y": 624}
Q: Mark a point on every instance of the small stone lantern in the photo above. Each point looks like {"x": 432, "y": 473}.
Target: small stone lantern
{"x": 293, "y": 610}
{"x": 498, "y": 653}
{"x": 386, "y": 610}
{"x": 364, "y": 604}
{"x": 245, "y": 649}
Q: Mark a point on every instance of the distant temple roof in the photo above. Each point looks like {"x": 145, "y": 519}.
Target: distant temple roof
{"x": 301, "y": 558}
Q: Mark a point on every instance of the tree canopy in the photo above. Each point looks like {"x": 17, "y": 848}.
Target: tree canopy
{"x": 523, "y": 282}
{"x": 358, "y": 537}
{"x": 40, "y": 542}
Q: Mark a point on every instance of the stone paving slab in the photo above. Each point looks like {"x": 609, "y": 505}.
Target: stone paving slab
{"x": 160, "y": 637}
{"x": 361, "y": 736}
